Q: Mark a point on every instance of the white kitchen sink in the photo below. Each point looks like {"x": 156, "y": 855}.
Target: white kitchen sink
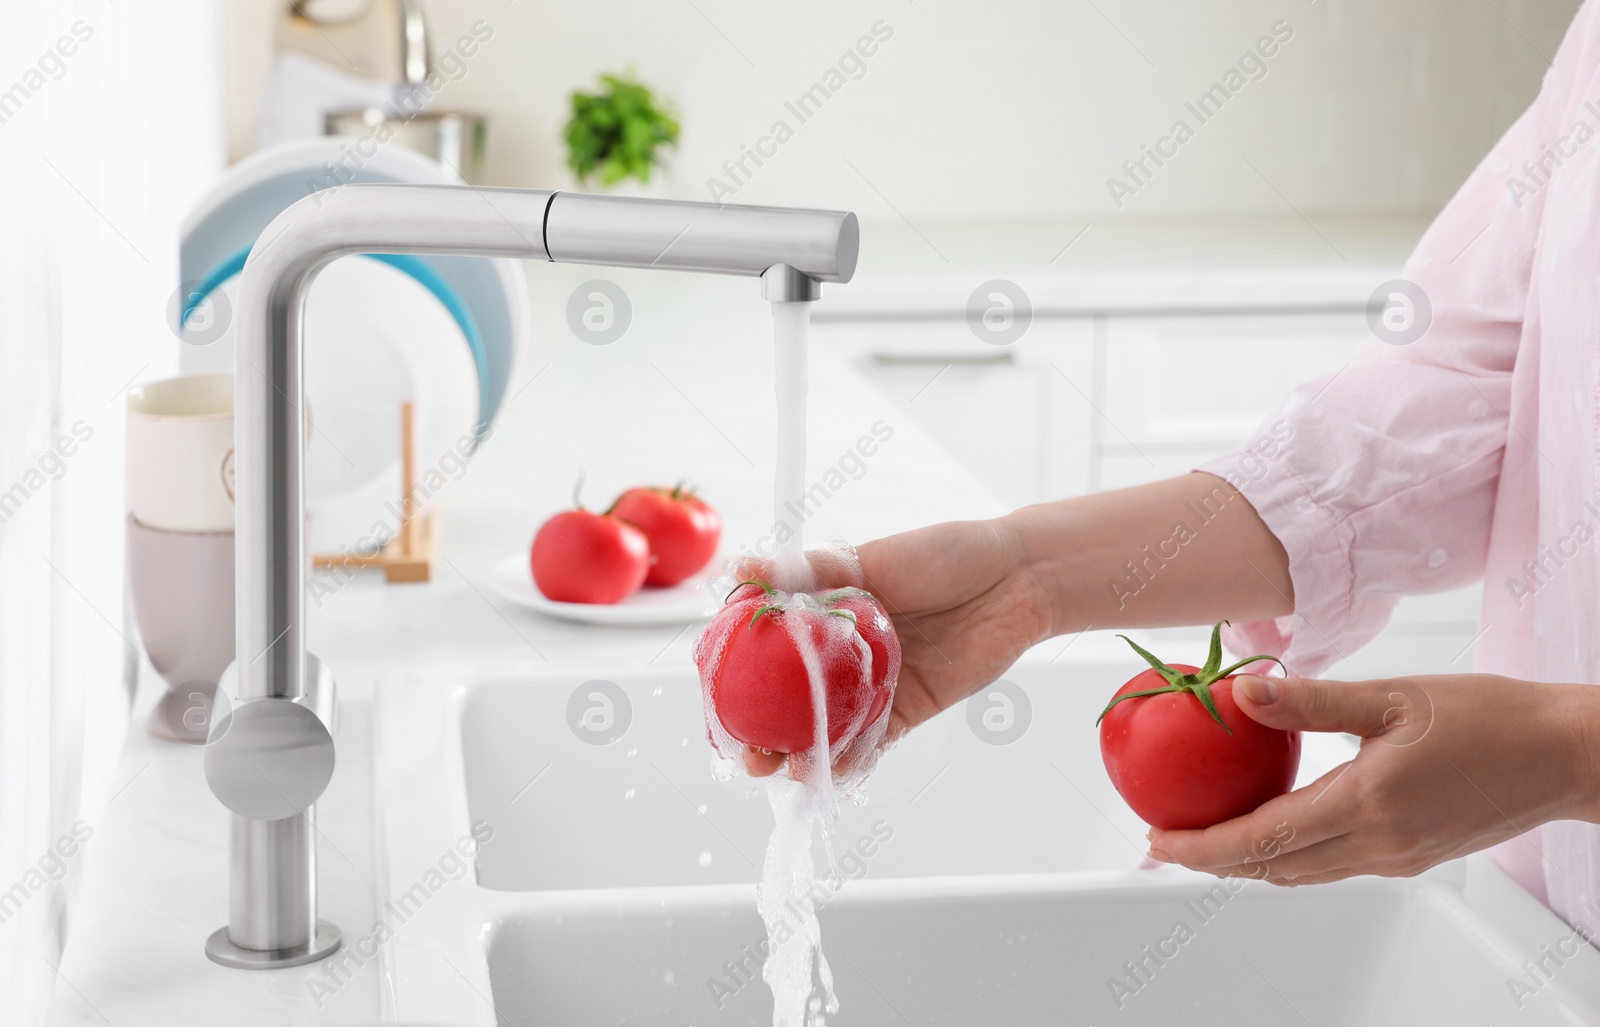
{"x": 645, "y": 811}
{"x": 1035, "y": 950}
{"x": 990, "y": 882}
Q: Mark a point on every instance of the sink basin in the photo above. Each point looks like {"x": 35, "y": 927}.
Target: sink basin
{"x": 958, "y": 797}
{"x": 1033, "y": 950}
{"x": 989, "y": 878}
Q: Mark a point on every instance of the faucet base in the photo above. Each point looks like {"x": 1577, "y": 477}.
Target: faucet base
{"x": 219, "y": 949}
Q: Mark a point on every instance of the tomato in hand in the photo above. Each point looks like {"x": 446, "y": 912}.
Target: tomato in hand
{"x": 753, "y": 672}
{"x": 584, "y": 557}
{"x": 682, "y": 528}
{"x": 1183, "y": 754}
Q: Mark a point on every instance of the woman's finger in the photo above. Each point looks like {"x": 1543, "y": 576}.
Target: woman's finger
{"x": 750, "y": 568}
{"x": 830, "y": 567}
{"x": 1365, "y": 708}
{"x": 1322, "y": 858}
{"x": 1342, "y": 874}
{"x": 761, "y": 763}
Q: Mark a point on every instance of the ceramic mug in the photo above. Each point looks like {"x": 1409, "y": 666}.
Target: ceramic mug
{"x": 181, "y": 584}
{"x": 180, "y": 453}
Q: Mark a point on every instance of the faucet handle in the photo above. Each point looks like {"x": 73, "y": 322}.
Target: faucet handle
{"x": 271, "y": 758}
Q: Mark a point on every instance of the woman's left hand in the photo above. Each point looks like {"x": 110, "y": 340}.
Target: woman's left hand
{"x": 1449, "y": 764}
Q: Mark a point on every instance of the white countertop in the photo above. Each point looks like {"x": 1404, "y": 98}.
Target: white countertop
{"x": 686, "y": 393}
{"x": 1127, "y": 265}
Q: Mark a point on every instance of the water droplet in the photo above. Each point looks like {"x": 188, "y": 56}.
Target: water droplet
{"x": 702, "y": 809}
{"x": 656, "y": 692}
{"x": 669, "y": 978}
{"x": 632, "y": 753}
{"x": 629, "y": 794}
{"x": 705, "y": 859}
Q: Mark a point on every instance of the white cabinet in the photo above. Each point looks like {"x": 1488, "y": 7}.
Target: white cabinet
{"x": 1179, "y": 390}
{"x": 1087, "y": 403}
{"x": 1018, "y": 417}
{"x": 1090, "y": 400}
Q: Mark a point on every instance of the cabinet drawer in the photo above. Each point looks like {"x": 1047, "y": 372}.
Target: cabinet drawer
{"x": 1205, "y": 382}
{"x": 1017, "y": 417}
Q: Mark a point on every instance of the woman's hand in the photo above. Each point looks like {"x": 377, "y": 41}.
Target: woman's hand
{"x": 969, "y": 597}
{"x": 964, "y": 601}
{"x": 1449, "y": 764}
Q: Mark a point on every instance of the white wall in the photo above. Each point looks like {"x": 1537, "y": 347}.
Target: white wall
{"x": 1013, "y": 108}
{"x": 104, "y": 146}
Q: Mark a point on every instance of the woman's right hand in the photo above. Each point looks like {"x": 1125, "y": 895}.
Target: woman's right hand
{"x": 969, "y": 597}
{"x": 965, "y": 603}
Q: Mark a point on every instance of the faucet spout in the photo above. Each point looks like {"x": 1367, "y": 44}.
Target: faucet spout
{"x": 273, "y": 909}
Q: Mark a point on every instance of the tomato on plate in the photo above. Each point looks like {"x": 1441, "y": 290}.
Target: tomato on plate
{"x": 584, "y": 557}
{"x": 1183, "y": 754}
{"x": 683, "y": 530}
{"x": 754, "y": 675}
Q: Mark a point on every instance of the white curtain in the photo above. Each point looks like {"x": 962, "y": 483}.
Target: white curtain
{"x": 110, "y": 126}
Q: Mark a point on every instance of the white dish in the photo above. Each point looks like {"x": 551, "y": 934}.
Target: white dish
{"x": 251, "y": 193}
{"x": 687, "y": 603}
{"x": 490, "y": 294}
{"x": 375, "y": 337}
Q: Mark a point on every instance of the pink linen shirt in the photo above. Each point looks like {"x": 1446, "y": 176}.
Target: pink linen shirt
{"x": 1473, "y": 452}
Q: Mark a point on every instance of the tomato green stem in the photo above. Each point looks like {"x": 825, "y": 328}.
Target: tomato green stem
{"x": 840, "y": 593}
{"x": 1198, "y": 684}
{"x": 762, "y": 585}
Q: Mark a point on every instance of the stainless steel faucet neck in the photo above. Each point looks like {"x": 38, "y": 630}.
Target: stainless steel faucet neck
{"x": 273, "y": 919}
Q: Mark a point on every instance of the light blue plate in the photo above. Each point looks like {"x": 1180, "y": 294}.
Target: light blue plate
{"x": 418, "y": 269}
{"x": 486, "y": 297}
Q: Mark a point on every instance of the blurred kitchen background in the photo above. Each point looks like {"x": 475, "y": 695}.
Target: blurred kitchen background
{"x": 1011, "y": 111}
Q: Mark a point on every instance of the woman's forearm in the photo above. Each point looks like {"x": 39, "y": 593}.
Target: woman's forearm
{"x": 1187, "y": 550}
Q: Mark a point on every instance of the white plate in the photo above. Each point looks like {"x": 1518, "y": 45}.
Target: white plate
{"x": 687, "y": 603}
{"x": 493, "y": 292}
{"x": 375, "y": 337}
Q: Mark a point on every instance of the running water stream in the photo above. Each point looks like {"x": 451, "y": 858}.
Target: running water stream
{"x": 830, "y": 634}
{"x": 784, "y": 896}
{"x": 790, "y": 323}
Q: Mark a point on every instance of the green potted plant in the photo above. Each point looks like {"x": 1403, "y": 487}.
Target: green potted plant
{"x": 619, "y": 132}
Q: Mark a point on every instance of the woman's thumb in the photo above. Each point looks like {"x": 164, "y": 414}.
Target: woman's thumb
{"x": 1306, "y": 704}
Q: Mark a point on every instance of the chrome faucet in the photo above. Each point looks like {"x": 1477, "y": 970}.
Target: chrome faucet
{"x": 271, "y": 755}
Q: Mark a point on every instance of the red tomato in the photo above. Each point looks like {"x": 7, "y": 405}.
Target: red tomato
{"x": 683, "y": 530}
{"x": 755, "y": 680}
{"x": 583, "y": 557}
{"x": 1181, "y": 766}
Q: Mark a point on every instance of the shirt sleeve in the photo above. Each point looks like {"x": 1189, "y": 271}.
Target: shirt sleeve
{"x": 1379, "y": 480}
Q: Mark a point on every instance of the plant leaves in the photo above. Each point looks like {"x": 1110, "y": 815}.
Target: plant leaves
{"x": 618, "y": 132}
